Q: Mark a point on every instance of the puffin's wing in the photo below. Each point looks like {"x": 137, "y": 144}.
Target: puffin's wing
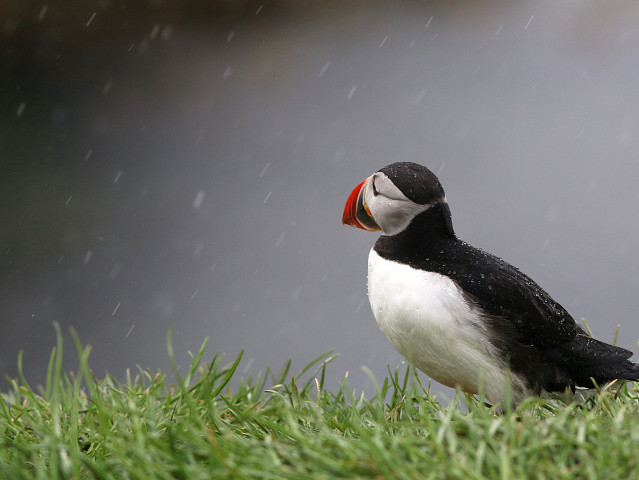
{"x": 522, "y": 311}
{"x": 502, "y": 291}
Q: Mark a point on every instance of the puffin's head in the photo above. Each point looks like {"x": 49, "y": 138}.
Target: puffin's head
{"x": 389, "y": 199}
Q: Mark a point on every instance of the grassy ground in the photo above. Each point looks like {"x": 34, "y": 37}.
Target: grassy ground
{"x": 283, "y": 426}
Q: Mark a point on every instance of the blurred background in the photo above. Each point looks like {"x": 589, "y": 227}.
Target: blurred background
{"x": 185, "y": 164}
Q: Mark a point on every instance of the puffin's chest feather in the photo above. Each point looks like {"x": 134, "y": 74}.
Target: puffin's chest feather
{"x": 427, "y": 318}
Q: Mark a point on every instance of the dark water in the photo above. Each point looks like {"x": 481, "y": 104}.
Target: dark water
{"x": 185, "y": 165}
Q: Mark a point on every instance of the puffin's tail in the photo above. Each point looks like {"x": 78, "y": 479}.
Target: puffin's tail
{"x": 586, "y": 358}
{"x": 605, "y": 370}
{"x": 604, "y": 373}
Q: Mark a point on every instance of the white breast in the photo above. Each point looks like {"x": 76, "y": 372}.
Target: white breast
{"x": 427, "y": 319}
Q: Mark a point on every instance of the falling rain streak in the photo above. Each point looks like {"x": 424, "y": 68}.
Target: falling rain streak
{"x": 529, "y": 22}
{"x": 280, "y": 239}
{"x": 265, "y": 169}
{"x": 420, "y": 97}
{"x": 199, "y": 198}
{"x": 323, "y": 70}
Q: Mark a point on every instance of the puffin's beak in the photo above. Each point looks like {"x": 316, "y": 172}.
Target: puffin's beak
{"x": 356, "y": 212}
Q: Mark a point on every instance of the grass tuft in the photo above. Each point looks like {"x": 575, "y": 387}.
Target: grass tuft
{"x": 210, "y": 424}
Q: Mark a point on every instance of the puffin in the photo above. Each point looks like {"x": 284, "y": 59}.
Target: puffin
{"x": 465, "y": 317}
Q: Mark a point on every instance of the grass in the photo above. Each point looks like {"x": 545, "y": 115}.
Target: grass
{"x": 211, "y": 424}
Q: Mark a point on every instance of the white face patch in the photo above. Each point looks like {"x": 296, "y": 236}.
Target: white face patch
{"x": 390, "y": 208}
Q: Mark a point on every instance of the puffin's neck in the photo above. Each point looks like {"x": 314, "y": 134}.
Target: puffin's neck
{"x": 430, "y": 227}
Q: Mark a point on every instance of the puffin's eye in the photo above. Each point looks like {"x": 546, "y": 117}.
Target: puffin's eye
{"x": 375, "y": 192}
